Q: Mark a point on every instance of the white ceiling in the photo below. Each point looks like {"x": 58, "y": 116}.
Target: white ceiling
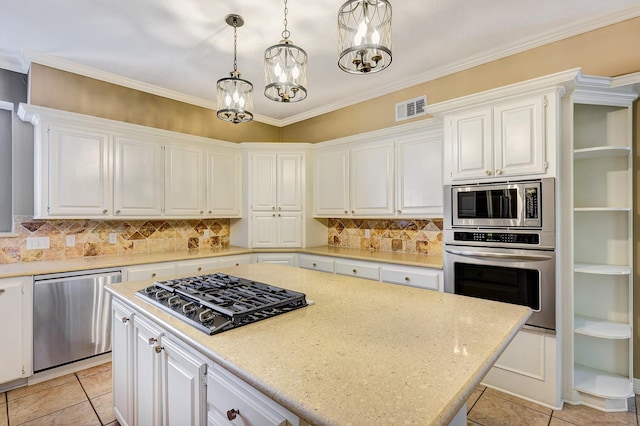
{"x": 180, "y": 48}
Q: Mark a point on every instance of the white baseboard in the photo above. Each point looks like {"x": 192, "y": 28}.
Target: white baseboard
{"x": 636, "y": 386}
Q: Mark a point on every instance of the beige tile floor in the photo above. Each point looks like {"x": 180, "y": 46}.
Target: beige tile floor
{"x": 85, "y": 398}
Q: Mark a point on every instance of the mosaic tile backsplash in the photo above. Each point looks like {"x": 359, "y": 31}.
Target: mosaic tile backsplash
{"x": 92, "y": 237}
{"x": 409, "y": 236}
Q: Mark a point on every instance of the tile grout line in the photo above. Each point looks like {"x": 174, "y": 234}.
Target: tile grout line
{"x": 89, "y": 399}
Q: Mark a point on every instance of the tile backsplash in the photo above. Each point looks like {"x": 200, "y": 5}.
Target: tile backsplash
{"x": 92, "y": 237}
{"x": 410, "y": 236}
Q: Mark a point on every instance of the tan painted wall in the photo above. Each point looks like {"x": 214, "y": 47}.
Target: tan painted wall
{"x": 71, "y": 92}
{"x": 605, "y": 52}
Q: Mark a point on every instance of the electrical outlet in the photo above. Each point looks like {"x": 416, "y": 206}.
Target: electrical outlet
{"x": 367, "y": 233}
{"x": 34, "y": 243}
{"x": 206, "y": 233}
{"x": 71, "y": 240}
{"x": 113, "y": 238}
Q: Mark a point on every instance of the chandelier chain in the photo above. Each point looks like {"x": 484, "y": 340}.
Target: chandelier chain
{"x": 235, "y": 45}
{"x": 285, "y": 33}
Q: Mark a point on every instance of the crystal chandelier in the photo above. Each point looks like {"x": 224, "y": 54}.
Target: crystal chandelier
{"x": 285, "y": 69}
{"x": 364, "y": 36}
{"x": 235, "y": 95}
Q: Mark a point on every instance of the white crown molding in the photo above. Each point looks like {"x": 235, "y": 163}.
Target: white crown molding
{"x": 561, "y": 33}
{"x": 64, "y": 65}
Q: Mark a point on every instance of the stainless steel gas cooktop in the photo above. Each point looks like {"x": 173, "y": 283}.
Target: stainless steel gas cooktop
{"x": 218, "y": 302}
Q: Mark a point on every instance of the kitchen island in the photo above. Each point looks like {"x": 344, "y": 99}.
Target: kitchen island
{"x": 362, "y": 352}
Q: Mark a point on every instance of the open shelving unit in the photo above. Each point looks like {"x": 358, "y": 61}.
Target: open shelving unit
{"x": 602, "y": 249}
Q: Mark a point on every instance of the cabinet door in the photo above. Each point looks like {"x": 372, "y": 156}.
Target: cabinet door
{"x": 264, "y": 230}
{"x": 79, "y": 172}
{"x": 371, "y": 178}
{"x": 147, "y": 396}
{"x": 148, "y": 272}
{"x": 198, "y": 267}
{"x": 290, "y": 182}
{"x": 263, "y": 168}
{"x": 138, "y": 177}
{"x": 184, "y": 180}
{"x": 183, "y": 381}
{"x": 289, "y": 229}
{"x": 471, "y": 145}
{"x": 228, "y": 261}
{"x": 223, "y": 184}
{"x": 519, "y": 137}
{"x": 331, "y": 198}
{"x": 419, "y": 177}
{"x": 15, "y": 329}
{"x": 122, "y": 362}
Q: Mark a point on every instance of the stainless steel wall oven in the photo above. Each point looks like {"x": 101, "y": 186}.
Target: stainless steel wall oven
{"x": 499, "y": 244}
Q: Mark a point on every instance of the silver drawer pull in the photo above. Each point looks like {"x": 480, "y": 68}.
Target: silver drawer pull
{"x": 2, "y": 290}
{"x": 231, "y": 414}
{"x": 407, "y": 279}
{"x": 124, "y": 319}
{"x": 355, "y": 271}
{"x": 152, "y": 340}
{"x": 158, "y": 349}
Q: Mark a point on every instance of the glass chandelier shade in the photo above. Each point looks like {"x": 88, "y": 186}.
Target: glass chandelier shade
{"x": 285, "y": 72}
{"x": 234, "y": 94}
{"x": 285, "y": 69}
{"x": 364, "y": 36}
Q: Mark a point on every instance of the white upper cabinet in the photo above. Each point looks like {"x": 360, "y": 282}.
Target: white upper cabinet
{"x": 77, "y": 175}
{"x": 390, "y": 173}
{"x": 87, "y": 167}
{"x": 223, "y": 183}
{"x": 371, "y": 179}
{"x": 138, "y": 177}
{"x": 331, "y": 195}
{"x": 276, "y": 181}
{"x": 503, "y": 140}
{"x": 184, "y": 180}
{"x": 419, "y": 176}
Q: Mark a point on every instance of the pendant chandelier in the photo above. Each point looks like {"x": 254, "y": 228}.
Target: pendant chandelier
{"x": 235, "y": 95}
{"x": 285, "y": 69}
{"x": 364, "y": 36}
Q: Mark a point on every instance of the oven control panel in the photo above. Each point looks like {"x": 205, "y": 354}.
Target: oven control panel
{"x": 497, "y": 237}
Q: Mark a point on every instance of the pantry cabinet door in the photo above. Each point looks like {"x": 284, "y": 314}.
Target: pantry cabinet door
{"x": 138, "y": 177}
{"x": 471, "y": 145}
{"x": 519, "y": 137}
{"x": 79, "y": 172}
{"x": 419, "y": 177}
{"x": 290, "y": 182}
{"x": 264, "y": 231}
{"x": 184, "y": 180}
{"x": 371, "y": 178}
{"x": 262, "y": 168}
{"x": 289, "y": 229}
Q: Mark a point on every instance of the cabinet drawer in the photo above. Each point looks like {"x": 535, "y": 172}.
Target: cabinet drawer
{"x": 412, "y": 277}
{"x": 150, "y": 272}
{"x": 228, "y": 261}
{"x": 226, "y": 395}
{"x": 199, "y": 266}
{"x": 358, "y": 269}
{"x": 316, "y": 263}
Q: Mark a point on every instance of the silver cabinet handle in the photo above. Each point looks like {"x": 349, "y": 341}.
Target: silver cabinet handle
{"x": 2, "y": 290}
{"x": 199, "y": 268}
{"x": 209, "y": 211}
{"x": 355, "y": 271}
{"x": 231, "y": 414}
{"x": 158, "y": 349}
{"x": 153, "y": 275}
{"x": 105, "y": 211}
{"x": 314, "y": 265}
{"x": 152, "y": 340}
{"x": 124, "y": 319}
{"x": 487, "y": 172}
{"x": 498, "y": 171}
{"x": 500, "y": 255}
{"x": 117, "y": 211}
{"x": 345, "y": 212}
{"x": 407, "y": 279}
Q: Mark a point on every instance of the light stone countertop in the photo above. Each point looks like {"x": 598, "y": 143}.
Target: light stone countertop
{"x": 99, "y": 262}
{"x": 363, "y": 353}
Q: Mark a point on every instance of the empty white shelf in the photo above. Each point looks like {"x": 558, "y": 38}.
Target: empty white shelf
{"x": 601, "y": 151}
{"x": 601, "y": 328}
{"x": 592, "y": 268}
{"x": 601, "y": 383}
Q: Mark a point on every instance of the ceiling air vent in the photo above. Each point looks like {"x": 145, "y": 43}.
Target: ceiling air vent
{"x": 412, "y": 108}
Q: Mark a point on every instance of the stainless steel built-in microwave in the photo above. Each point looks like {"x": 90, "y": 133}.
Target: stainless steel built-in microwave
{"x": 518, "y": 204}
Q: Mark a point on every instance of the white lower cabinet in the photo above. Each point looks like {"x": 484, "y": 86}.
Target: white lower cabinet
{"x": 288, "y": 259}
{"x": 318, "y": 263}
{"x": 232, "y": 401}
{"x": 150, "y": 271}
{"x": 16, "y": 334}
{"x": 415, "y": 277}
{"x": 356, "y": 268}
{"x": 122, "y": 362}
{"x": 282, "y": 229}
{"x": 197, "y": 266}
{"x": 236, "y": 260}
{"x": 529, "y": 367}
{"x": 146, "y": 373}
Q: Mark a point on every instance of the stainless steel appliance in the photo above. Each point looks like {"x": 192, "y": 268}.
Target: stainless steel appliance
{"x": 71, "y": 317}
{"x": 499, "y": 244}
{"x": 218, "y": 302}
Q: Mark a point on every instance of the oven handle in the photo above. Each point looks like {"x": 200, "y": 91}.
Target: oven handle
{"x": 500, "y": 255}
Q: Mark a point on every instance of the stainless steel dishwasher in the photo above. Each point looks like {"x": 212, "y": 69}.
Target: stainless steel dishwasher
{"x": 71, "y": 316}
